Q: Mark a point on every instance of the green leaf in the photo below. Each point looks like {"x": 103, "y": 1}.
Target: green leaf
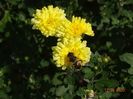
{"x": 115, "y": 21}
{"x": 130, "y": 70}
{"x": 132, "y": 90}
{"x": 7, "y": 34}
{"x": 105, "y": 20}
{"x": 67, "y": 96}
{"x": 131, "y": 82}
{"x": 44, "y": 63}
{"x": 106, "y": 95}
{"x": 6, "y": 18}
{"x": 3, "y": 95}
{"x": 14, "y": 2}
{"x": 80, "y": 92}
{"x": 99, "y": 86}
{"x": 108, "y": 83}
{"x": 61, "y": 90}
{"x": 1, "y": 82}
{"x": 88, "y": 73}
{"x": 21, "y": 17}
{"x": 31, "y": 11}
{"x": 70, "y": 88}
{"x": 46, "y": 78}
{"x": 108, "y": 44}
{"x": 127, "y": 57}
{"x": 55, "y": 80}
{"x": 69, "y": 80}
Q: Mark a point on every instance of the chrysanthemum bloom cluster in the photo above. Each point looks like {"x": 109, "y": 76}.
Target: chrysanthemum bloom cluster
{"x": 48, "y": 20}
{"x": 75, "y": 46}
{"x": 51, "y": 21}
{"x": 77, "y": 27}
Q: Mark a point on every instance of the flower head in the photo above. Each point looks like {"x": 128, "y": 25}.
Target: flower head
{"x": 89, "y": 94}
{"x": 66, "y": 46}
{"x": 77, "y": 27}
{"x": 48, "y": 20}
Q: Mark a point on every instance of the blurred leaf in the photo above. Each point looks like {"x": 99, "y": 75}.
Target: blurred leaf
{"x": 3, "y": 95}
{"x": 99, "y": 86}
{"x": 44, "y": 63}
{"x": 14, "y": 2}
{"x": 1, "y": 82}
{"x": 7, "y": 34}
{"x": 106, "y": 95}
{"x": 70, "y": 93}
{"x": 61, "y": 90}
{"x": 80, "y": 92}
{"x": 130, "y": 70}
{"x": 6, "y": 18}
{"x": 67, "y": 96}
{"x": 131, "y": 82}
{"x": 21, "y": 17}
{"x": 105, "y": 20}
{"x": 52, "y": 90}
{"x": 108, "y": 83}
{"x": 55, "y": 79}
{"x": 46, "y": 78}
{"x": 132, "y": 90}
{"x": 108, "y": 44}
{"x": 129, "y": 2}
{"x": 31, "y": 11}
{"x": 88, "y": 73}
{"x": 128, "y": 14}
{"x": 115, "y": 21}
{"x": 69, "y": 80}
{"x": 127, "y": 57}
{"x": 71, "y": 89}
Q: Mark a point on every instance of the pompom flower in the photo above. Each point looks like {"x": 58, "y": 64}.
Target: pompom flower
{"x": 49, "y": 20}
{"x": 89, "y": 94}
{"x": 66, "y": 46}
{"x": 77, "y": 27}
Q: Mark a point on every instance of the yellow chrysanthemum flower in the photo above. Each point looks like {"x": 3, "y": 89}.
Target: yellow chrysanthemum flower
{"x": 49, "y": 20}
{"x": 77, "y": 27}
{"x": 89, "y": 94}
{"x": 66, "y": 46}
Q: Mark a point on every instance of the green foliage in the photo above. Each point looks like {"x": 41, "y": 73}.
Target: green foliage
{"x": 26, "y": 67}
{"x": 4, "y": 20}
{"x": 4, "y": 87}
{"x": 128, "y": 58}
